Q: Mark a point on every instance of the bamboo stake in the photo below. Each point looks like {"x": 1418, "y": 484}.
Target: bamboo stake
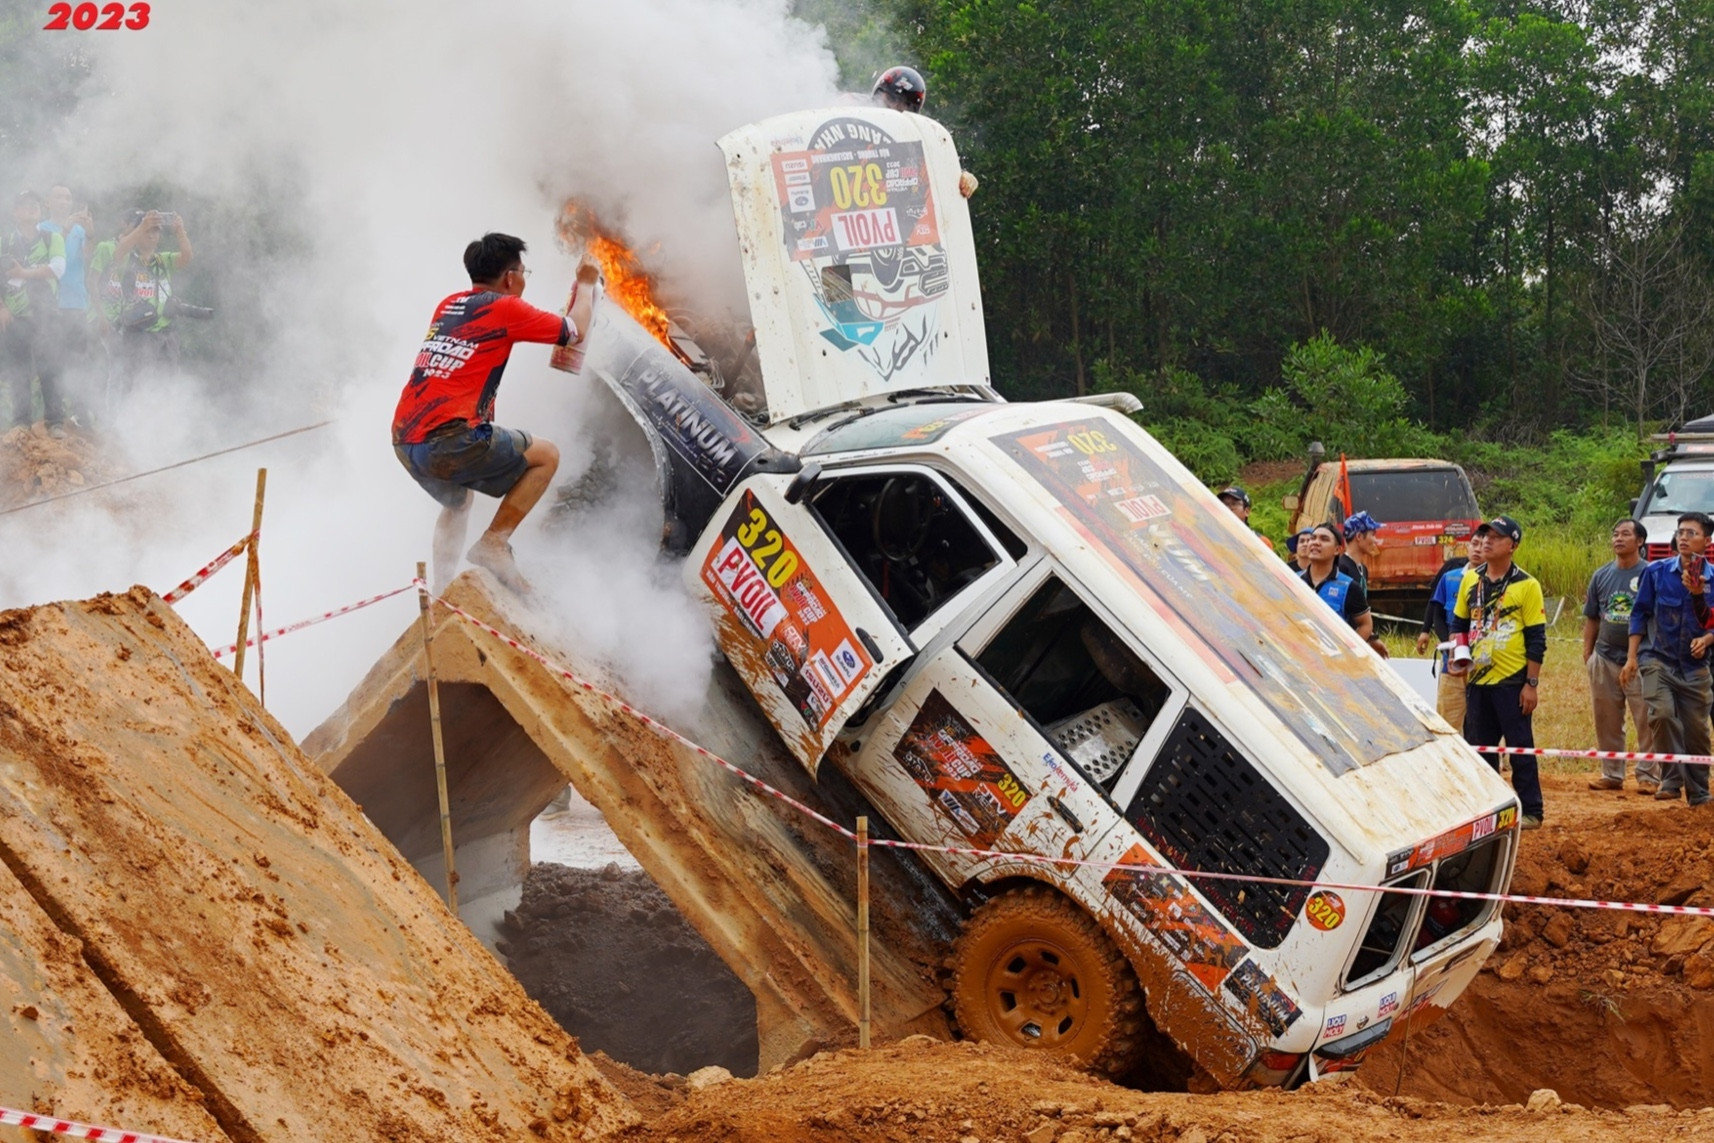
{"x": 250, "y": 572}
{"x": 439, "y": 745}
{"x": 863, "y": 932}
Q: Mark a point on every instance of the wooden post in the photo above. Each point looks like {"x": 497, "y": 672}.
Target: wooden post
{"x": 439, "y": 745}
{"x": 862, "y": 932}
{"x": 251, "y": 569}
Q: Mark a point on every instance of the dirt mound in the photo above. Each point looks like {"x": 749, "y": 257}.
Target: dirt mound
{"x": 1608, "y": 1008}
{"x": 264, "y": 937}
{"x": 924, "y": 1091}
{"x": 34, "y": 464}
{"x": 605, "y": 952}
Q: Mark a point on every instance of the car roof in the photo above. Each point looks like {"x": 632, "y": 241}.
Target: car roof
{"x": 1390, "y": 465}
{"x": 1261, "y": 653}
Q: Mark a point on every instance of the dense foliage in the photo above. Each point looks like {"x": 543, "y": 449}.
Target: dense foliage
{"x": 1512, "y": 201}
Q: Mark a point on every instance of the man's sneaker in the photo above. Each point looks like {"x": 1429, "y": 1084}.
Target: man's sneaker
{"x": 496, "y": 558}
{"x": 1529, "y": 821}
{"x": 1644, "y": 786}
{"x": 1607, "y": 784}
{"x": 1667, "y": 795}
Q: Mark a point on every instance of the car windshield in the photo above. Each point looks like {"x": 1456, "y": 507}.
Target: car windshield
{"x": 1681, "y": 491}
{"x": 1414, "y": 494}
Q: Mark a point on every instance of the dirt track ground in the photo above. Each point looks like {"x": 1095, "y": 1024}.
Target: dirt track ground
{"x": 958, "y": 1093}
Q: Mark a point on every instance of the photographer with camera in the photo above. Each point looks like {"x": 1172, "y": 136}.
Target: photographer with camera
{"x": 146, "y": 305}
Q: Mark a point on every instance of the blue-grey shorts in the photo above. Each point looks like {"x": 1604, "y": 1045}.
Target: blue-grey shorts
{"x": 457, "y": 459}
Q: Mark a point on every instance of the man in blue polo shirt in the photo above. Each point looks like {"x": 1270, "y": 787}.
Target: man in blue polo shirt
{"x": 1339, "y": 591}
{"x": 1669, "y": 647}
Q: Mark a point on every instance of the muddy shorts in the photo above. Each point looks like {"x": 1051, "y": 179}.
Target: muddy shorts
{"x": 457, "y": 457}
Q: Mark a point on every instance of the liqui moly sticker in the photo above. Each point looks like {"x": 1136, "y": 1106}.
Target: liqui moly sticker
{"x": 1389, "y": 1005}
{"x": 1335, "y": 1026}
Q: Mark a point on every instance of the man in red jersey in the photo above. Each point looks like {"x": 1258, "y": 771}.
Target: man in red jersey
{"x": 443, "y": 430}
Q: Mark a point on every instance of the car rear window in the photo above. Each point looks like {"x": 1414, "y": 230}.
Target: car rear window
{"x": 1417, "y": 494}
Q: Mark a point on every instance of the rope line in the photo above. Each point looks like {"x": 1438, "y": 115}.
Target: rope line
{"x": 164, "y": 468}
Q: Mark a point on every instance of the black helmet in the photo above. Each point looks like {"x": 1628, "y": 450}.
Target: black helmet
{"x": 901, "y": 88}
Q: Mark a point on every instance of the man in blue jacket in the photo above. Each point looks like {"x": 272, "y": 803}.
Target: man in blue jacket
{"x": 1669, "y": 647}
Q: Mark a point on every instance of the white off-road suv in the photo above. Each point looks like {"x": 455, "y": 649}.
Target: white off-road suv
{"x": 1026, "y": 629}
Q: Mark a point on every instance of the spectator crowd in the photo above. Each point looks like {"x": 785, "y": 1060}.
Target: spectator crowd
{"x": 85, "y": 317}
{"x": 1647, "y": 633}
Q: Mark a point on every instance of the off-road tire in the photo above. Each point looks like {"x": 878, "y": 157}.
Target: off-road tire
{"x": 1033, "y": 971}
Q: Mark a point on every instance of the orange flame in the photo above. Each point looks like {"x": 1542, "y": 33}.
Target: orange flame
{"x": 625, "y": 281}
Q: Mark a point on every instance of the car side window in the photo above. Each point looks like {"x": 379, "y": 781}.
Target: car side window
{"x": 1091, "y": 694}
{"x": 913, "y": 541}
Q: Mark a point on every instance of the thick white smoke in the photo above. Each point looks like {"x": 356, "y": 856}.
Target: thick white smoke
{"x": 403, "y": 130}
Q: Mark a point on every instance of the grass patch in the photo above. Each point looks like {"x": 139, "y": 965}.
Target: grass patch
{"x": 1565, "y": 718}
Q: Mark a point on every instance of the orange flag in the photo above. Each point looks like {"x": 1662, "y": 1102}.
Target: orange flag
{"x": 1345, "y": 486}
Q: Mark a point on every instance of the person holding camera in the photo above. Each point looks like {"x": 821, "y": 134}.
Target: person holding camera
{"x": 1668, "y": 649}
{"x": 146, "y": 306}
{"x": 31, "y": 263}
{"x": 1499, "y": 632}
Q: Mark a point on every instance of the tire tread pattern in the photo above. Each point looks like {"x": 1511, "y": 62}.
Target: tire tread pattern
{"x": 1037, "y": 908}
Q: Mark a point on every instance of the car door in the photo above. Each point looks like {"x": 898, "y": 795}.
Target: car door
{"x": 1003, "y": 738}
{"x": 797, "y": 622}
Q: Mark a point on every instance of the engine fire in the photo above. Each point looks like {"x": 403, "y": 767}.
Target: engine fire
{"x": 624, "y": 280}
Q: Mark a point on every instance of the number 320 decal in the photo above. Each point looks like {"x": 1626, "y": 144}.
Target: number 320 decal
{"x": 106, "y": 18}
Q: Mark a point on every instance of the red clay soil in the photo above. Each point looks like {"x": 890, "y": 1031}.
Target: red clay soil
{"x": 926, "y": 1092}
{"x": 1607, "y": 1008}
{"x": 34, "y": 465}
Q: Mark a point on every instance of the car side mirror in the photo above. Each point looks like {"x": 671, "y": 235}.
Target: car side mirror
{"x": 803, "y": 482}
{"x": 1634, "y": 502}
{"x": 1289, "y": 503}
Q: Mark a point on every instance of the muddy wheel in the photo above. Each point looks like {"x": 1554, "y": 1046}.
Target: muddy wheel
{"x": 1033, "y": 971}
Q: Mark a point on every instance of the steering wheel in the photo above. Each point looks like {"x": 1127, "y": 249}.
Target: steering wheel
{"x": 898, "y": 524}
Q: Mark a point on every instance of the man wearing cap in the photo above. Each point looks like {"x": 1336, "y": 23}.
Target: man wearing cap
{"x": 1607, "y": 607}
{"x": 1317, "y": 552}
{"x": 1362, "y": 544}
{"x": 1500, "y": 626}
{"x": 1297, "y": 555}
{"x": 1238, "y": 501}
{"x": 1669, "y": 648}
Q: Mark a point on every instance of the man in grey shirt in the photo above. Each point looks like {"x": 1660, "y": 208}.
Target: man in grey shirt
{"x": 1606, "y": 635}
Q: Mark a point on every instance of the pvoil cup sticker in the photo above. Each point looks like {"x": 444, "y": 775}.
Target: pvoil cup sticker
{"x": 859, "y": 222}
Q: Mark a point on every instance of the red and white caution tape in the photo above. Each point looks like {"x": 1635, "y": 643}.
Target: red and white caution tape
{"x": 203, "y": 573}
{"x": 1040, "y": 859}
{"x": 11, "y": 1118}
{"x": 313, "y": 620}
{"x": 1253, "y": 879}
{"x": 1628, "y": 755}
